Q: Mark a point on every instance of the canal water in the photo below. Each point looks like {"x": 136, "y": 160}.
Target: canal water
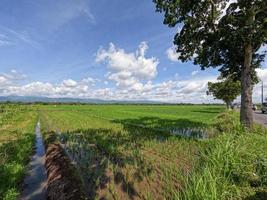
{"x": 34, "y": 185}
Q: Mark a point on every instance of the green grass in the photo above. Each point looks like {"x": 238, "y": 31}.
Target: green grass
{"x": 231, "y": 166}
{"x": 127, "y": 151}
{"x": 139, "y": 161}
{"x": 138, "y": 155}
{"x": 16, "y": 141}
{"x": 152, "y": 116}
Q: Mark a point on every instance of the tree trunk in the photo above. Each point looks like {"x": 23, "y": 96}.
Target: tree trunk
{"x": 246, "y": 116}
{"x": 228, "y": 105}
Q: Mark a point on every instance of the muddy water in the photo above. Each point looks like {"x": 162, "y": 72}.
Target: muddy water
{"x": 197, "y": 133}
{"x": 34, "y": 186}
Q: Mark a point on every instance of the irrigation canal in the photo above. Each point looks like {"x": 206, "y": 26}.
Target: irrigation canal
{"x": 34, "y": 185}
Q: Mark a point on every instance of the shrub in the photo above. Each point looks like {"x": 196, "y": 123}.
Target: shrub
{"x": 227, "y": 121}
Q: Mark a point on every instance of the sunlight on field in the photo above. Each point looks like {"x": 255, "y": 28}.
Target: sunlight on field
{"x": 118, "y": 157}
{"x": 16, "y": 142}
{"x": 129, "y": 151}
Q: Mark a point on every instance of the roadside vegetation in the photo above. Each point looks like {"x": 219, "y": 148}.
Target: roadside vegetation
{"x": 232, "y": 165}
{"x": 17, "y": 123}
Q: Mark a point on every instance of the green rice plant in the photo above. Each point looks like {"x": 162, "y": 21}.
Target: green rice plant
{"x": 230, "y": 165}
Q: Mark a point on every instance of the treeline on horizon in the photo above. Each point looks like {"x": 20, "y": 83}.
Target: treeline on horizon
{"x": 111, "y": 103}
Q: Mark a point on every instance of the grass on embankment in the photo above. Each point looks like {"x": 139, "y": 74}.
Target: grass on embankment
{"x": 17, "y": 125}
{"x": 230, "y": 166}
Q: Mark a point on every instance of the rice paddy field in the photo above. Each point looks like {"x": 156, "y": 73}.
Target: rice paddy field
{"x": 139, "y": 151}
{"x": 126, "y": 151}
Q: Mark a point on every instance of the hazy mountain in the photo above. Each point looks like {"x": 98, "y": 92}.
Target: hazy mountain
{"x": 32, "y": 99}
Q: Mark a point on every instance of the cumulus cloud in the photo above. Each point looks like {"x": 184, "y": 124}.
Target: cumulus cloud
{"x": 12, "y": 83}
{"x": 3, "y": 79}
{"x": 262, "y": 74}
{"x": 172, "y": 54}
{"x": 128, "y": 70}
{"x": 69, "y": 83}
{"x": 193, "y": 73}
{"x": 175, "y": 90}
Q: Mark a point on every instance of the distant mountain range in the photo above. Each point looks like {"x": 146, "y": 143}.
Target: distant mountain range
{"x": 32, "y": 99}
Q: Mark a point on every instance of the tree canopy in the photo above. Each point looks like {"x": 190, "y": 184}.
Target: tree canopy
{"x": 221, "y": 33}
{"x": 226, "y": 90}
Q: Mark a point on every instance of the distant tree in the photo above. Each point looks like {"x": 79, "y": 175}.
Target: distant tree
{"x": 221, "y": 33}
{"x": 226, "y": 90}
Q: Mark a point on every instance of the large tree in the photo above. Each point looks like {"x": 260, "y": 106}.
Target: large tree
{"x": 226, "y": 90}
{"x": 221, "y": 33}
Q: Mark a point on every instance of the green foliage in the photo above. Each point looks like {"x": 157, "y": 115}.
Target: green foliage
{"x": 11, "y": 194}
{"x": 121, "y": 150}
{"x": 226, "y": 90}
{"x": 151, "y": 116}
{"x": 131, "y": 142}
{"x": 227, "y": 121}
{"x": 16, "y": 143}
{"x": 213, "y": 39}
{"x": 232, "y": 166}
{"x": 222, "y": 33}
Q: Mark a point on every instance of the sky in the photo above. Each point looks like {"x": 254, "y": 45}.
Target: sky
{"x": 111, "y": 50}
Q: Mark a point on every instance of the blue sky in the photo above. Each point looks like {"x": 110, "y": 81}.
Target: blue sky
{"x": 116, "y": 49}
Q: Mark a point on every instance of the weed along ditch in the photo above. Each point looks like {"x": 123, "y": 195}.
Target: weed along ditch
{"x": 34, "y": 185}
{"x": 198, "y": 133}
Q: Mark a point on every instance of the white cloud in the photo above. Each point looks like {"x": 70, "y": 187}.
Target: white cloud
{"x": 11, "y": 78}
{"x": 128, "y": 70}
{"x": 193, "y": 73}
{"x": 89, "y": 80}
{"x": 3, "y": 79}
{"x": 263, "y": 50}
{"x": 14, "y": 75}
{"x": 262, "y": 74}
{"x": 11, "y": 37}
{"x": 69, "y": 83}
{"x": 172, "y": 54}
{"x": 4, "y": 40}
{"x": 58, "y": 13}
{"x": 176, "y": 90}
{"x": 224, "y": 7}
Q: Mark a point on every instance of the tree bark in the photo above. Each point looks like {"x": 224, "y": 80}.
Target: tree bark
{"x": 246, "y": 116}
{"x": 228, "y": 105}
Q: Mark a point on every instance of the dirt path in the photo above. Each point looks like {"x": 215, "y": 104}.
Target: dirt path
{"x": 260, "y": 118}
{"x": 34, "y": 186}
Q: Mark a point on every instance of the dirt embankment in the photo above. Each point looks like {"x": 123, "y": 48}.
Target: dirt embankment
{"x": 63, "y": 182}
